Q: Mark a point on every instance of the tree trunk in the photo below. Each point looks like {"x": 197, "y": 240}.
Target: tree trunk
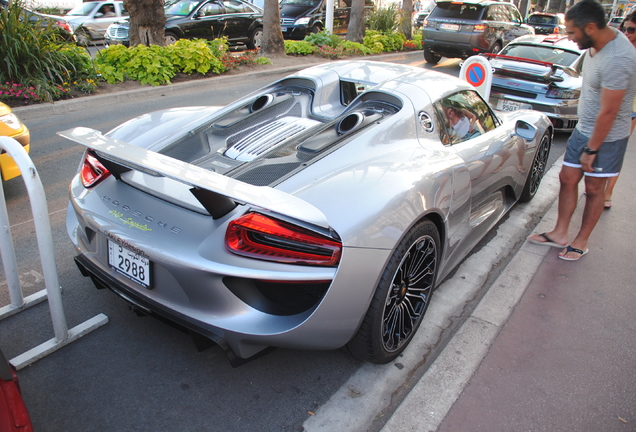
{"x": 355, "y": 30}
{"x": 147, "y": 20}
{"x": 273, "y": 44}
{"x": 406, "y": 27}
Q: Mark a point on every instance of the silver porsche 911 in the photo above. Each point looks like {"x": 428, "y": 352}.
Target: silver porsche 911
{"x": 317, "y": 212}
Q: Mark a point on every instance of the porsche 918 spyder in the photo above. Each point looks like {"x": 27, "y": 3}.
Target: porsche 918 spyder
{"x": 315, "y": 213}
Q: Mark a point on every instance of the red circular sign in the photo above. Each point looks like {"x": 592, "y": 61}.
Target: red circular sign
{"x": 475, "y": 74}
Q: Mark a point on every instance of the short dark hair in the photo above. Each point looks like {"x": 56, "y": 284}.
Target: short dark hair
{"x": 585, "y": 12}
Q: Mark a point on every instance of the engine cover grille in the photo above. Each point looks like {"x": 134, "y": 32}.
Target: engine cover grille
{"x": 268, "y": 137}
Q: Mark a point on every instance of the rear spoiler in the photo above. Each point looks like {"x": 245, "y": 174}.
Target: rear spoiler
{"x": 547, "y": 77}
{"x": 206, "y": 185}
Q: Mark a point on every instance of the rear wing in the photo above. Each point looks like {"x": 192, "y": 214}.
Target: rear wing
{"x": 546, "y": 75}
{"x": 208, "y": 187}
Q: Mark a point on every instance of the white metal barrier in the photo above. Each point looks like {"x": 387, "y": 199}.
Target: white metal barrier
{"x": 63, "y": 336}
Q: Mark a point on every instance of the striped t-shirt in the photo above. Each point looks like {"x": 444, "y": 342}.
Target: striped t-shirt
{"x": 612, "y": 68}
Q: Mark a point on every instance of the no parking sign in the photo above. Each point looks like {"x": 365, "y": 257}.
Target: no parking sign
{"x": 476, "y": 70}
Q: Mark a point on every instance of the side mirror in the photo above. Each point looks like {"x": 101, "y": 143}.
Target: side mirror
{"x": 525, "y": 130}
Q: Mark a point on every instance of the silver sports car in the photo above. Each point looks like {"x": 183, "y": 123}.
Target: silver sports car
{"x": 541, "y": 73}
{"x": 317, "y": 212}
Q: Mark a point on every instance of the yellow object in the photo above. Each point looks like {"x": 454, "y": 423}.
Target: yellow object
{"x": 11, "y": 126}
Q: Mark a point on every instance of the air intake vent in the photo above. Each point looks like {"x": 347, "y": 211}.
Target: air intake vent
{"x": 268, "y": 137}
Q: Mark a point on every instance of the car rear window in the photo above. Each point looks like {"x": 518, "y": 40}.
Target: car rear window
{"x": 541, "y": 19}
{"x": 458, "y": 10}
{"x": 542, "y": 53}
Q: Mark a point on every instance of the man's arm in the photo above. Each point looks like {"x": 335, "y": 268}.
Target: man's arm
{"x": 610, "y": 105}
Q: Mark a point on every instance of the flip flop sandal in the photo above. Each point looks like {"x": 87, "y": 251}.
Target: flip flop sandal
{"x": 569, "y": 249}
{"x": 548, "y": 241}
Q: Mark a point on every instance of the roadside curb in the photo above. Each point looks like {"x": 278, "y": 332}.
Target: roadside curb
{"x": 70, "y": 105}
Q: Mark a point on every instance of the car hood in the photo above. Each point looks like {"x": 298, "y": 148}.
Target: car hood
{"x": 295, "y": 11}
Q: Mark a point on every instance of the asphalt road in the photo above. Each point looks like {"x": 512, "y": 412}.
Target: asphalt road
{"x": 136, "y": 373}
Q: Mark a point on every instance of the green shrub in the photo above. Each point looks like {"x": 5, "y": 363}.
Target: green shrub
{"x": 354, "y": 48}
{"x": 189, "y": 56}
{"x": 380, "y": 42}
{"x": 299, "y": 48}
{"x": 323, "y": 38}
{"x": 386, "y": 20}
{"x": 37, "y": 57}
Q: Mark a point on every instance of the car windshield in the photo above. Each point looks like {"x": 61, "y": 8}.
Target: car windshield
{"x": 82, "y": 10}
{"x": 541, "y": 19}
{"x": 300, "y": 2}
{"x": 546, "y": 54}
{"x": 458, "y": 10}
{"x": 182, "y": 8}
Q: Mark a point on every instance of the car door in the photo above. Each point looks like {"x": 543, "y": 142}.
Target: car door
{"x": 237, "y": 20}
{"x": 468, "y": 125}
{"x": 106, "y": 14}
{"x": 206, "y": 22}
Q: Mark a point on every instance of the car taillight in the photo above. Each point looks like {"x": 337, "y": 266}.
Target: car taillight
{"x": 262, "y": 237}
{"x": 65, "y": 25}
{"x": 92, "y": 171}
{"x": 480, "y": 27}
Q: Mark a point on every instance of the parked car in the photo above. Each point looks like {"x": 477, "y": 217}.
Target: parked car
{"x": 58, "y": 23}
{"x": 540, "y": 73}
{"x": 316, "y": 212}
{"x": 11, "y": 126}
{"x": 547, "y": 23}
{"x": 238, "y": 20}
{"x": 91, "y": 19}
{"x": 14, "y": 416}
{"x": 420, "y": 17}
{"x": 298, "y": 18}
{"x": 465, "y": 28}
{"x": 615, "y": 21}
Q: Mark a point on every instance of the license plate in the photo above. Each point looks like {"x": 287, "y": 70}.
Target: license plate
{"x": 283, "y": 29}
{"x": 129, "y": 263}
{"x": 449, "y": 27}
{"x": 506, "y": 105}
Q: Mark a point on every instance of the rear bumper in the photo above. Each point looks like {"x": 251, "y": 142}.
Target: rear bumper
{"x": 562, "y": 113}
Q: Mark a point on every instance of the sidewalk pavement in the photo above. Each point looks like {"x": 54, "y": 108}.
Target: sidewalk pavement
{"x": 551, "y": 346}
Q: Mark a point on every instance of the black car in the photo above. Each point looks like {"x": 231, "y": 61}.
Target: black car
{"x": 465, "y": 28}
{"x": 241, "y": 22}
{"x": 547, "y": 23}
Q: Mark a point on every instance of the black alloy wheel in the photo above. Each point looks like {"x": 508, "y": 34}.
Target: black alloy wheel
{"x": 402, "y": 297}
{"x": 539, "y": 165}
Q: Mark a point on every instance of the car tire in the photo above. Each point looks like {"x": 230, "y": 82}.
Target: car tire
{"x": 315, "y": 29}
{"x": 256, "y": 39}
{"x": 171, "y": 38}
{"x": 82, "y": 37}
{"x": 431, "y": 58}
{"x": 400, "y": 302}
{"x": 496, "y": 48}
{"x": 537, "y": 170}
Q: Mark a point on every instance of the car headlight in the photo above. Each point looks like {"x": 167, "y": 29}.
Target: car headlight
{"x": 558, "y": 93}
{"x": 11, "y": 120}
{"x": 302, "y": 21}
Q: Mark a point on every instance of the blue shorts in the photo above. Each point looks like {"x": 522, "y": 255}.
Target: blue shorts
{"x": 609, "y": 158}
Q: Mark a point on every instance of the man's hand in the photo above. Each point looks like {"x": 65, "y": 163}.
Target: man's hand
{"x": 586, "y": 162}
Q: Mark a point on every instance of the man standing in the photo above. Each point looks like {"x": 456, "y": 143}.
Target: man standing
{"x": 596, "y": 148}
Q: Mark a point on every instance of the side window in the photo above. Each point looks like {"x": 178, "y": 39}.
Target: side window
{"x": 123, "y": 10}
{"x": 515, "y": 15}
{"x": 234, "y": 6}
{"x": 211, "y": 8}
{"x": 107, "y": 10}
{"x": 463, "y": 116}
{"x": 491, "y": 13}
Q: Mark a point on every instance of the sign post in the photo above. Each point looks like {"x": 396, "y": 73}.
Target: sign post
{"x": 477, "y": 71}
